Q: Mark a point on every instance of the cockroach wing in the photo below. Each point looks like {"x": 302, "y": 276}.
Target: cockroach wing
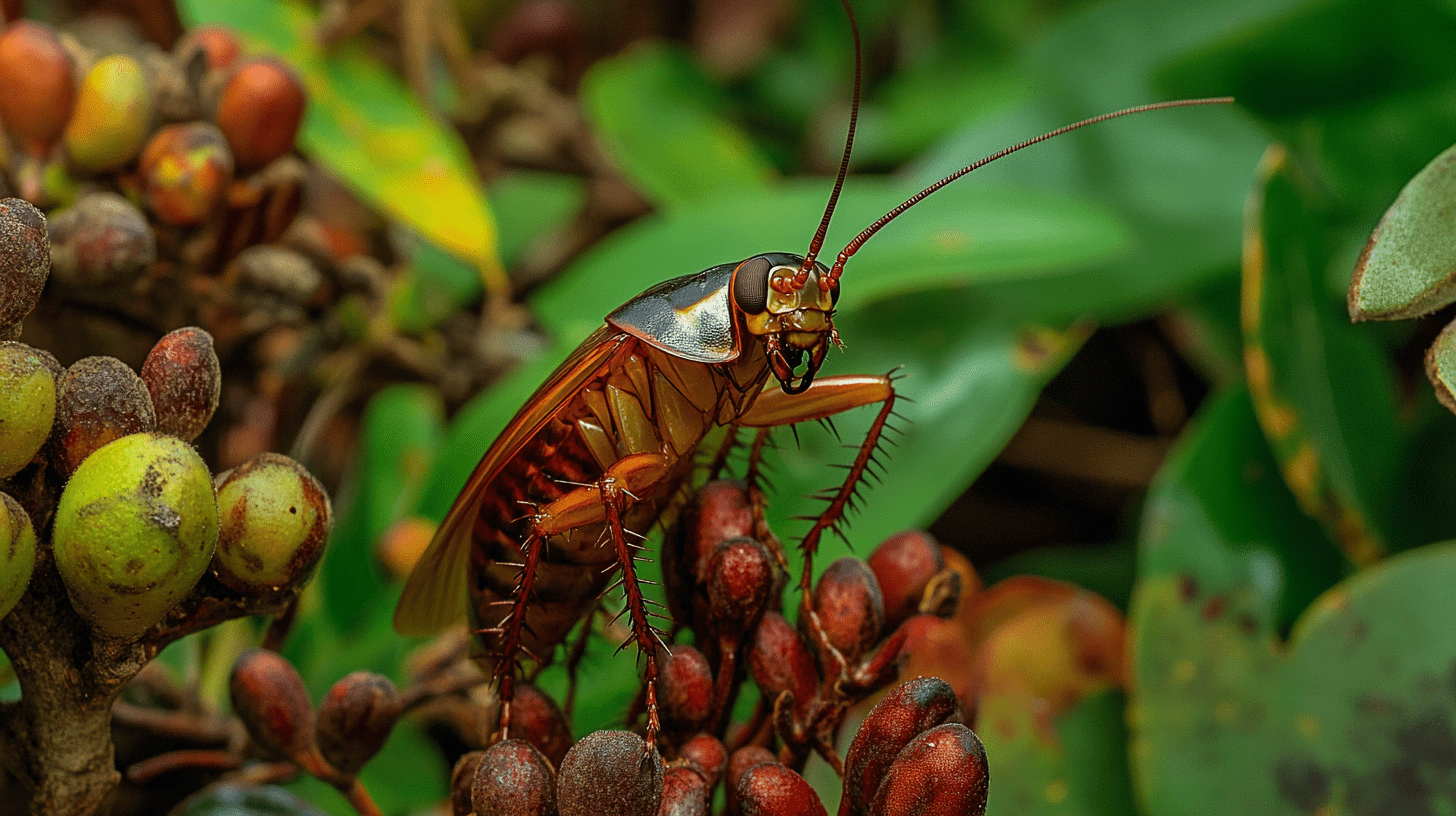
{"x": 435, "y": 594}
{"x": 689, "y": 317}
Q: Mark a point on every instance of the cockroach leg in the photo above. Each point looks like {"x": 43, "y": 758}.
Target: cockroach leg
{"x": 643, "y": 633}
{"x": 823, "y": 399}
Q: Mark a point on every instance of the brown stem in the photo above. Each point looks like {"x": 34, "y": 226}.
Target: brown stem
{"x": 55, "y": 742}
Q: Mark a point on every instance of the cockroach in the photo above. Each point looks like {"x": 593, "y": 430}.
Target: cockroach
{"x": 603, "y": 447}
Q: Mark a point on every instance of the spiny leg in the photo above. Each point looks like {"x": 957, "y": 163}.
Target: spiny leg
{"x": 823, "y": 399}
{"x": 509, "y": 629}
{"x": 643, "y": 633}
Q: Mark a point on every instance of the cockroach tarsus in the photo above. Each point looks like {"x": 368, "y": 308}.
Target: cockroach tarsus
{"x": 604, "y": 445}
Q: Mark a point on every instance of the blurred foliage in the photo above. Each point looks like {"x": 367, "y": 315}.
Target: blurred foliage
{"x": 1280, "y": 498}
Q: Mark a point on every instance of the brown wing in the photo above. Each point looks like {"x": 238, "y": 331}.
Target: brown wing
{"x": 435, "y": 594}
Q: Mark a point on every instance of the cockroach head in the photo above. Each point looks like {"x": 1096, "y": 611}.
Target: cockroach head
{"x": 791, "y": 312}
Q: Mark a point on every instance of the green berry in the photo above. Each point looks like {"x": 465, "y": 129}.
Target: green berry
{"x": 27, "y": 405}
{"x": 274, "y": 518}
{"x": 17, "y": 553}
{"x": 134, "y": 530}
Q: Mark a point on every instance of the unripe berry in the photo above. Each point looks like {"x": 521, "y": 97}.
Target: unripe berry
{"x": 112, "y": 118}
{"x": 17, "y": 553}
{"x": 275, "y": 517}
{"x": 27, "y": 405}
{"x": 134, "y": 529}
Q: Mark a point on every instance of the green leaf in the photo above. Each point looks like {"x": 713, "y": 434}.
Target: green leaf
{"x": 1409, "y": 266}
{"x": 1219, "y": 514}
{"x": 529, "y": 205}
{"x": 1324, "y": 395}
{"x": 1351, "y": 716}
{"x": 961, "y": 236}
{"x": 402, "y": 428}
{"x": 649, "y": 107}
{"x": 364, "y": 127}
{"x": 1078, "y": 769}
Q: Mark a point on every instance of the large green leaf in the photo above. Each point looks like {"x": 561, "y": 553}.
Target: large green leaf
{"x": 1219, "y": 513}
{"x": 1324, "y": 395}
{"x": 364, "y": 127}
{"x": 650, "y": 108}
{"x": 1074, "y": 766}
{"x": 1353, "y": 715}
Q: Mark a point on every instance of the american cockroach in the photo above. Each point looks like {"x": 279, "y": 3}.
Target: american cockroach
{"x": 599, "y": 453}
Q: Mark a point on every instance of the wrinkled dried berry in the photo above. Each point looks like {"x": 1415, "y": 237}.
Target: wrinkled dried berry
{"x": 25, "y": 259}
{"x": 513, "y": 779}
{"x": 708, "y": 754}
{"x": 185, "y": 172}
{"x": 355, "y": 720}
{"x": 270, "y": 698}
{"x": 98, "y": 400}
{"x": 101, "y": 240}
{"x": 610, "y": 773}
{"x": 37, "y": 89}
{"x": 537, "y": 719}
{"x": 942, "y": 772}
{"x": 850, "y": 607}
{"x": 780, "y": 662}
{"x": 686, "y": 688}
{"x": 908, "y": 710}
{"x": 275, "y": 518}
{"x": 184, "y": 377}
{"x": 772, "y": 789}
{"x": 260, "y": 111}
{"x": 903, "y": 566}
{"x": 684, "y": 793}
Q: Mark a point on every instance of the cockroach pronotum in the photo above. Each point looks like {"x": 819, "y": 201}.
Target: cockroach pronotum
{"x": 602, "y": 448}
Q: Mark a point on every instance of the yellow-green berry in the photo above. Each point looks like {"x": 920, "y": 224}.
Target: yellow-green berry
{"x": 112, "y": 118}
{"x": 27, "y": 405}
{"x": 17, "y": 552}
{"x": 135, "y": 528}
{"x": 274, "y": 518}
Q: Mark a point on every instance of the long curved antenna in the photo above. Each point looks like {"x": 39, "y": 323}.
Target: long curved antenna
{"x": 818, "y": 243}
{"x": 859, "y": 240}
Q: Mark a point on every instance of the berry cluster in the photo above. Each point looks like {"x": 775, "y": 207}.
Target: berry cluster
{"x": 725, "y": 582}
{"x": 119, "y": 538}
